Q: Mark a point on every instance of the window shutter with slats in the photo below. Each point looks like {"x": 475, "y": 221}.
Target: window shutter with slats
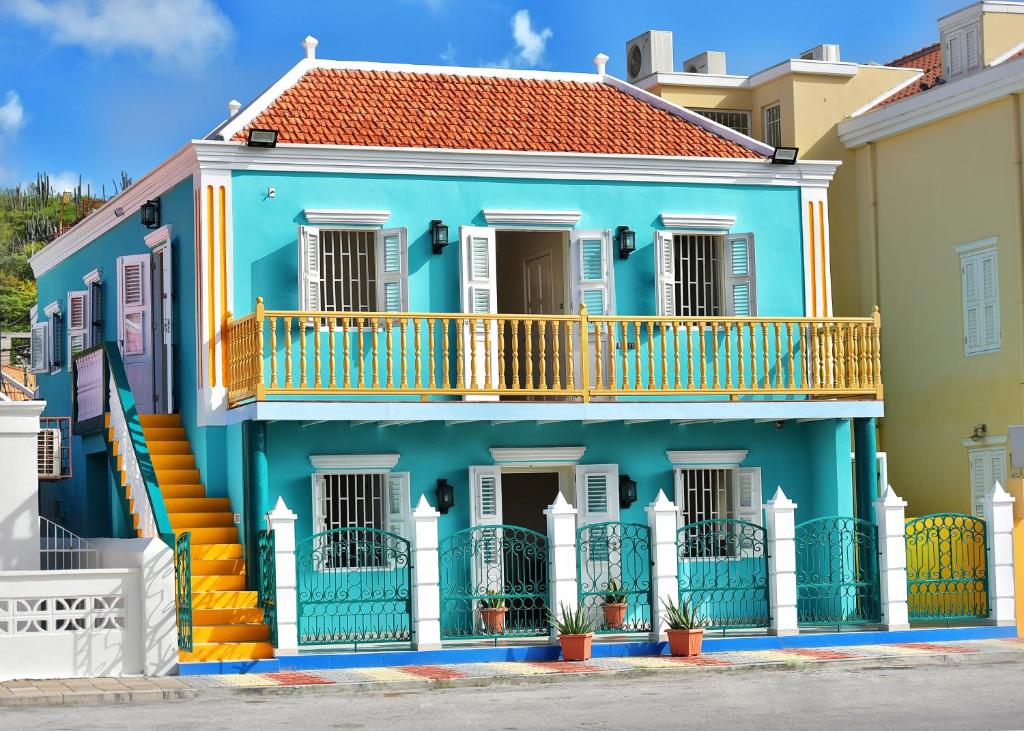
{"x": 980, "y": 285}
{"x": 38, "y": 360}
{"x": 96, "y": 312}
{"x": 597, "y": 493}
{"x": 133, "y": 306}
{"x": 56, "y": 341}
{"x": 739, "y": 282}
{"x": 78, "y": 323}
{"x": 398, "y": 503}
{"x": 593, "y": 270}
{"x": 665, "y": 274}
{"x": 392, "y": 270}
{"x": 479, "y": 297}
{"x": 988, "y": 466}
{"x": 746, "y": 485}
{"x": 485, "y": 495}
{"x": 309, "y": 268}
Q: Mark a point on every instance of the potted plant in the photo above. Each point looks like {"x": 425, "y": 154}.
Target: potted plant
{"x": 614, "y": 606}
{"x": 575, "y": 632}
{"x": 492, "y": 612}
{"x": 686, "y": 628}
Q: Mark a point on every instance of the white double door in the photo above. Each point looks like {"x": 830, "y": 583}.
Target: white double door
{"x": 145, "y": 328}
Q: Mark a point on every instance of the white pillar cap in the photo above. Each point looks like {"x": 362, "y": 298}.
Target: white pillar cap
{"x": 424, "y": 509}
{"x": 280, "y": 512}
{"x": 999, "y": 495}
{"x": 779, "y": 501}
{"x": 560, "y": 507}
{"x": 661, "y": 502}
{"x": 890, "y": 499}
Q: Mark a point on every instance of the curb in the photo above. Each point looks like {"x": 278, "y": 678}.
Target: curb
{"x": 179, "y": 694}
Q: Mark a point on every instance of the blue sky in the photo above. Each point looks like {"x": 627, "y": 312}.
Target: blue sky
{"x": 93, "y": 87}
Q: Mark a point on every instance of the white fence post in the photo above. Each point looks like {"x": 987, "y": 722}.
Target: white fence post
{"x": 661, "y": 519}
{"x": 281, "y": 521}
{"x": 999, "y": 526}
{"x": 19, "y": 509}
{"x": 426, "y": 592}
{"x": 780, "y": 527}
{"x": 890, "y": 516}
{"x": 562, "y": 578}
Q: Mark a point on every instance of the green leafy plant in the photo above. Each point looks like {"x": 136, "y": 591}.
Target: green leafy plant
{"x": 492, "y": 600}
{"x": 684, "y": 616}
{"x": 615, "y": 594}
{"x": 572, "y": 621}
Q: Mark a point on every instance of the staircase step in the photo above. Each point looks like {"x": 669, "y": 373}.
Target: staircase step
{"x": 234, "y": 582}
{"x": 217, "y": 552}
{"x": 205, "y": 652}
{"x": 209, "y": 535}
{"x": 160, "y": 420}
{"x": 196, "y": 504}
{"x": 218, "y": 633}
{"x": 164, "y": 433}
{"x": 173, "y": 462}
{"x": 181, "y": 491}
{"x": 166, "y": 477}
{"x": 202, "y": 520}
{"x": 224, "y": 600}
{"x": 165, "y": 447}
{"x": 217, "y": 567}
{"x": 207, "y": 617}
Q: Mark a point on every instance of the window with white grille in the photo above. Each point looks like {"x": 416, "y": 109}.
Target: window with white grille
{"x": 733, "y": 119}
{"x": 348, "y": 270}
{"x": 773, "y": 125}
{"x": 698, "y": 275}
{"x": 371, "y": 500}
{"x": 706, "y": 494}
{"x": 980, "y": 290}
{"x": 716, "y": 493}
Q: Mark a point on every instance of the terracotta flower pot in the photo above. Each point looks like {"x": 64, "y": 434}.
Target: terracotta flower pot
{"x": 494, "y": 619}
{"x": 685, "y": 642}
{"x": 614, "y": 615}
{"x": 576, "y": 647}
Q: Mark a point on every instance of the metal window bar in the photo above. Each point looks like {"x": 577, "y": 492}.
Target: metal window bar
{"x": 62, "y": 550}
{"x": 348, "y": 270}
{"x": 352, "y": 501}
{"x": 737, "y": 120}
{"x": 707, "y": 495}
{"x": 698, "y": 275}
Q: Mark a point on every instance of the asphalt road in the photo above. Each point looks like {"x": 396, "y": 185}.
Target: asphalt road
{"x": 972, "y": 696}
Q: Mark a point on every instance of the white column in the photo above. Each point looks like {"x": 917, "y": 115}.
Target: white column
{"x": 780, "y": 527}
{"x": 562, "y": 586}
{"x": 281, "y": 520}
{"x": 19, "y": 509}
{"x": 890, "y": 516}
{"x": 426, "y": 592}
{"x": 662, "y": 520}
{"x": 999, "y": 526}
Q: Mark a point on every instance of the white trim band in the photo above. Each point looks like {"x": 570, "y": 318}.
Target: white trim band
{"x": 697, "y": 222}
{"x": 352, "y": 216}
{"x": 706, "y": 458}
{"x": 526, "y": 217}
{"x": 354, "y": 462}
{"x": 159, "y": 236}
{"x": 537, "y": 456}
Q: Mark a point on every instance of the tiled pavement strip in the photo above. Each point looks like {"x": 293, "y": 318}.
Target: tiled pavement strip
{"x": 140, "y": 689}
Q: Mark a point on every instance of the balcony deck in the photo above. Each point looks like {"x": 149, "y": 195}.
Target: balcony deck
{"x": 277, "y": 355}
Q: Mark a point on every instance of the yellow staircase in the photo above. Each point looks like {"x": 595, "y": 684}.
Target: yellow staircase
{"x": 227, "y": 623}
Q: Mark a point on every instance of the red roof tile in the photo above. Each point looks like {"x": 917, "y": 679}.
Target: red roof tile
{"x": 14, "y": 375}
{"x": 435, "y": 110}
{"x": 929, "y": 60}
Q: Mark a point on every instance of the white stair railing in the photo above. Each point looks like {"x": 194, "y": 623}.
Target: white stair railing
{"x": 62, "y": 550}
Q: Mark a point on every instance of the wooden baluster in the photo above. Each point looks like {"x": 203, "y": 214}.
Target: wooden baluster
{"x": 599, "y": 348}
{"x": 716, "y": 385}
{"x": 876, "y": 370}
{"x": 287, "y": 322}
{"x": 417, "y": 324}
{"x": 488, "y": 383}
{"x": 389, "y": 353}
{"x": 403, "y": 354}
{"x": 676, "y": 382}
{"x": 570, "y": 363}
{"x": 317, "y": 381}
{"x": 790, "y": 345}
{"x": 515, "y": 353}
{"x": 556, "y": 373}
{"x": 703, "y": 356}
{"x": 346, "y": 365}
{"x": 727, "y": 328}
{"x": 778, "y": 355}
{"x": 623, "y": 352}
{"x": 638, "y": 382}
{"x": 739, "y": 355}
{"x": 360, "y": 358}
{"x": 853, "y": 373}
{"x": 541, "y": 341}
{"x": 688, "y": 350}
{"x": 302, "y": 352}
{"x": 841, "y": 353}
{"x": 448, "y": 322}
{"x": 663, "y": 327}
{"x": 650, "y": 355}
{"x": 332, "y": 382}
{"x": 471, "y": 334}
{"x": 501, "y": 355}
{"x": 528, "y": 343}
{"x": 373, "y": 327}
{"x": 431, "y": 355}
{"x": 273, "y": 352}
{"x": 754, "y": 381}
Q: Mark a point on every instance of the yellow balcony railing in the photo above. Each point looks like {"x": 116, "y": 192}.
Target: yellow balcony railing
{"x": 376, "y": 354}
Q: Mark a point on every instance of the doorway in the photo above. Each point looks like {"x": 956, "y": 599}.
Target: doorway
{"x": 525, "y": 496}
{"x": 163, "y": 363}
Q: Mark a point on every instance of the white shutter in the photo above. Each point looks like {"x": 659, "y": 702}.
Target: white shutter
{"x": 980, "y": 284}
{"x": 988, "y": 466}
{"x": 479, "y": 297}
{"x": 133, "y": 305}
{"x": 665, "y": 273}
{"x": 597, "y": 493}
{"x": 593, "y": 272}
{"x": 972, "y": 48}
{"x": 398, "y": 503}
{"x": 989, "y": 301}
{"x": 392, "y": 270}
{"x": 746, "y": 485}
{"x": 309, "y": 268}
{"x": 485, "y": 493}
{"x": 740, "y": 290}
{"x": 954, "y": 63}
{"x": 680, "y": 496}
{"x": 38, "y": 357}
{"x": 78, "y": 323}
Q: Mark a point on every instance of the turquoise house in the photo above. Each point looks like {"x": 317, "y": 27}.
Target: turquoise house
{"x": 376, "y": 283}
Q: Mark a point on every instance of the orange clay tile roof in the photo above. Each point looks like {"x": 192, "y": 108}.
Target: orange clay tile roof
{"x": 20, "y": 375}
{"x": 433, "y": 110}
{"x": 929, "y": 60}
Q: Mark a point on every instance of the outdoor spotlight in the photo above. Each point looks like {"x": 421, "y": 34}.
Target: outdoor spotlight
{"x": 150, "y": 213}
{"x": 438, "y": 235}
{"x": 627, "y": 241}
{"x": 784, "y": 156}
{"x": 262, "y": 138}
{"x": 627, "y": 491}
{"x": 445, "y": 496}
{"x": 978, "y": 433}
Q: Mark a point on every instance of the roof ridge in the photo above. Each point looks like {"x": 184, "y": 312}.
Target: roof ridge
{"x": 899, "y": 62}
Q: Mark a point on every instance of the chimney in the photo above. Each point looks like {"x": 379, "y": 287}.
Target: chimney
{"x": 310, "y": 43}
{"x": 233, "y": 106}
{"x": 600, "y": 62}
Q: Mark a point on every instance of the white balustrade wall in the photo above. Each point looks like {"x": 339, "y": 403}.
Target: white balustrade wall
{"x": 130, "y": 465}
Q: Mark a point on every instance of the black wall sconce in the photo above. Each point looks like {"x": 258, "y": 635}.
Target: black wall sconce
{"x": 150, "y": 213}
{"x": 627, "y": 491}
{"x": 627, "y": 241}
{"x": 262, "y": 138}
{"x": 445, "y": 496}
{"x": 438, "y": 235}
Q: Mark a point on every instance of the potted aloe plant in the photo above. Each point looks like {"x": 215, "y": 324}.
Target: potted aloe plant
{"x": 575, "y": 632}
{"x": 614, "y": 606}
{"x": 492, "y": 612}
{"x": 685, "y": 628}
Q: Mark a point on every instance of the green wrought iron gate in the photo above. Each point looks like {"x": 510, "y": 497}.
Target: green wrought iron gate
{"x": 837, "y": 572}
{"x": 267, "y": 588}
{"x": 494, "y": 583}
{"x": 353, "y": 587}
{"x": 183, "y": 589}
{"x": 723, "y": 571}
{"x": 947, "y": 567}
{"x": 613, "y": 562}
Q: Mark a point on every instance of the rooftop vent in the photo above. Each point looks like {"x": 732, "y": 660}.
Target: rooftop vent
{"x": 709, "y": 62}
{"x": 824, "y": 52}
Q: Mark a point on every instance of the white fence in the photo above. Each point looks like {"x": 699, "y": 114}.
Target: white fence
{"x": 62, "y": 550}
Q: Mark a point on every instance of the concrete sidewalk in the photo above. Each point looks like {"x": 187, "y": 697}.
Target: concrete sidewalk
{"x": 141, "y": 689}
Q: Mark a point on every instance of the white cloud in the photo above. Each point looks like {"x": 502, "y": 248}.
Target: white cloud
{"x": 530, "y": 43}
{"x": 66, "y": 181}
{"x": 12, "y": 114}
{"x": 179, "y": 32}
{"x": 448, "y": 55}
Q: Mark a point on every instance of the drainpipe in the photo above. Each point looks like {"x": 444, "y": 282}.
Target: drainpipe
{"x": 257, "y": 501}
{"x": 866, "y": 459}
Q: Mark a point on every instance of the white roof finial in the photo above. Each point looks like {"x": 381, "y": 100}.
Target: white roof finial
{"x": 600, "y": 61}
{"x": 310, "y": 43}
{"x": 233, "y": 106}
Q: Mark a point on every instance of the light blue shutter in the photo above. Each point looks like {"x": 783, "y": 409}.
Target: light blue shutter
{"x": 393, "y": 270}
{"x": 592, "y": 263}
{"x": 37, "y": 357}
{"x": 740, "y": 288}
{"x": 309, "y": 268}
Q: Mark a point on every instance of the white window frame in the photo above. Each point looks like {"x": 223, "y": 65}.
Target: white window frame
{"x": 977, "y": 253}
{"x": 715, "y": 116}
{"x": 54, "y": 308}
{"x": 716, "y": 460}
{"x": 993, "y": 452}
{"x": 958, "y": 40}
{"x": 765, "y": 123}
{"x": 668, "y": 265}
{"x": 86, "y": 326}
